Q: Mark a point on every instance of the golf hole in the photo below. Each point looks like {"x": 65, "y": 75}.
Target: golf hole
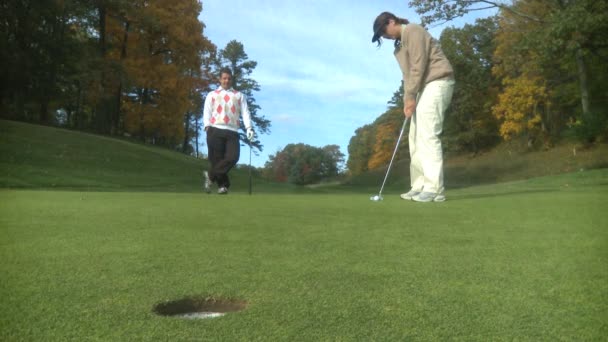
{"x": 199, "y": 308}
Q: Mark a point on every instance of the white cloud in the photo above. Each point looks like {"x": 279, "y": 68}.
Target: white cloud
{"x": 286, "y": 118}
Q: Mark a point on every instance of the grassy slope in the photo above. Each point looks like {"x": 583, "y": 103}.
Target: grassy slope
{"x": 34, "y": 156}
{"x": 43, "y": 157}
{"x": 503, "y": 164}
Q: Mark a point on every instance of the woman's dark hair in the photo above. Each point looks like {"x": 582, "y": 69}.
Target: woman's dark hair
{"x": 380, "y": 26}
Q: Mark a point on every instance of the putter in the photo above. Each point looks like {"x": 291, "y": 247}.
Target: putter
{"x": 378, "y": 197}
{"x": 249, "y": 168}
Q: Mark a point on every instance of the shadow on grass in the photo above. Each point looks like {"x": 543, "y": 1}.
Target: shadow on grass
{"x": 498, "y": 194}
{"x": 462, "y": 177}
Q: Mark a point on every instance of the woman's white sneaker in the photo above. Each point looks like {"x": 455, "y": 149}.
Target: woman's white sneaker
{"x": 409, "y": 195}
{"x": 429, "y": 197}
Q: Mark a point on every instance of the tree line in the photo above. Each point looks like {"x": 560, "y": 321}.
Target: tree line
{"x": 536, "y": 71}
{"x": 138, "y": 68}
{"x": 141, "y": 68}
{"x": 303, "y": 164}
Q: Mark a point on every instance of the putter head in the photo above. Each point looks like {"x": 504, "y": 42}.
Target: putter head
{"x": 376, "y": 198}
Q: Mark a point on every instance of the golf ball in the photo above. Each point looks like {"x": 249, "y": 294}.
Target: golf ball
{"x": 375, "y": 198}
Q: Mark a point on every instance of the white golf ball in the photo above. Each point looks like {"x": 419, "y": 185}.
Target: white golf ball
{"x": 375, "y": 198}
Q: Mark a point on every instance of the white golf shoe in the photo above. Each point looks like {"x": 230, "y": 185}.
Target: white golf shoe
{"x": 429, "y": 197}
{"x": 409, "y": 195}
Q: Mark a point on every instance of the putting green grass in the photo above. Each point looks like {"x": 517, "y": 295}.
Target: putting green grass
{"x": 514, "y": 261}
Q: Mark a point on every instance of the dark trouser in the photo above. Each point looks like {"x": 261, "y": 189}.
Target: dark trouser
{"x": 223, "y": 148}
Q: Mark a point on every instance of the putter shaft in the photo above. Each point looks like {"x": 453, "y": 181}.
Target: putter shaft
{"x": 393, "y": 157}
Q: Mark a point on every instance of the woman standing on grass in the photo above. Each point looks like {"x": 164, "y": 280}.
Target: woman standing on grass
{"x": 428, "y": 80}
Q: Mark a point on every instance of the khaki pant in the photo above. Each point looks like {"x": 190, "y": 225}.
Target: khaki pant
{"x": 426, "y": 167}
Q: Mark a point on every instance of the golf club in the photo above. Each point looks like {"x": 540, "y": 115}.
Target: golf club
{"x": 378, "y": 197}
{"x": 249, "y": 167}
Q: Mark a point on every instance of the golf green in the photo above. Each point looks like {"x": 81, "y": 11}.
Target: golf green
{"x": 513, "y": 261}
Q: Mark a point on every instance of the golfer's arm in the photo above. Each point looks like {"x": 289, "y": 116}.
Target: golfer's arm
{"x": 207, "y": 112}
{"x": 245, "y": 113}
{"x": 417, "y": 50}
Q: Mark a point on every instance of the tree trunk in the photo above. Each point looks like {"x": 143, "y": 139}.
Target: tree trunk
{"x": 116, "y": 117}
{"x": 77, "y": 114}
{"x": 44, "y": 111}
{"x": 186, "y": 133}
{"x": 102, "y": 28}
{"x": 471, "y": 123}
{"x": 583, "y": 82}
{"x": 143, "y": 101}
{"x": 101, "y": 108}
{"x": 196, "y": 134}
{"x": 23, "y": 58}
{"x": 55, "y": 56}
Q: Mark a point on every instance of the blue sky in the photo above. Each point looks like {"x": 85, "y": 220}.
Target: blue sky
{"x": 320, "y": 76}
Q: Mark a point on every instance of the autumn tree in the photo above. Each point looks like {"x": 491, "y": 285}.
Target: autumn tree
{"x": 561, "y": 43}
{"x": 520, "y": 108}
{"x": 528, "y": 104}
{"x": 469, "y": 123}
{"x": 373, "y": 144}
{"x": 386, "y": 133}
{"x": 360, "y": 149}
{"x": 332, "y": 162}
{"x": 160, "y": 47}
{"x": 303, "y": 164}
{"x": 234, "y": 57}
{"x": 110, "y": 66}
{"x": 207, "y": 77}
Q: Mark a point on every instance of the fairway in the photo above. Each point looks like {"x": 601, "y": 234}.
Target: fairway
{"x": 192, "y": 170}
{"x": 515, "y": 261}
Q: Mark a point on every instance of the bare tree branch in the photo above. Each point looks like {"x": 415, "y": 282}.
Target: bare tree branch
{"x": 480, "y": 8}
{"x": 508, "y": 9}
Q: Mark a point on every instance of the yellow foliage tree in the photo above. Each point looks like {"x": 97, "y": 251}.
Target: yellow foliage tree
{"x": 520, "y": 106}
{"x": 525, "y": 97}
{"x": 385, "y": 133}
{"x": 382, "y": 150}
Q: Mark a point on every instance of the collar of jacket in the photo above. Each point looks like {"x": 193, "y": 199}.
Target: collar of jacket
{"x": 399, "y": 43}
